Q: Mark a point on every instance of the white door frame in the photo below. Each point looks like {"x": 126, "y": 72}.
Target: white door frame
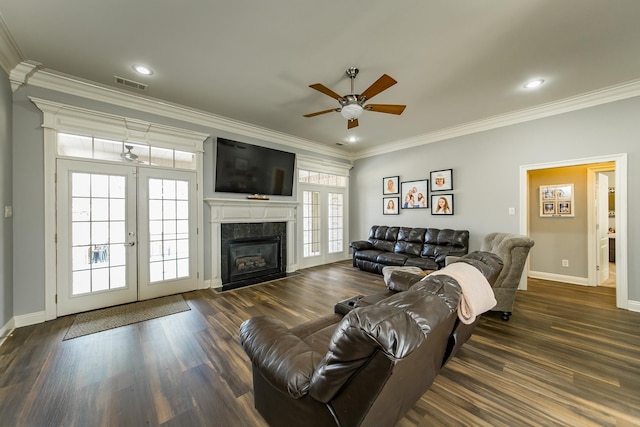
{"x": 59, "y": 117}
{"x": 620, "y": 160}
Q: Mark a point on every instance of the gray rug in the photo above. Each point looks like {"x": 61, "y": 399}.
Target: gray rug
{"x": 121, "y": 315}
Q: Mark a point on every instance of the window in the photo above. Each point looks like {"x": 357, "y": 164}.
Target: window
{"x": 86, "y": 147}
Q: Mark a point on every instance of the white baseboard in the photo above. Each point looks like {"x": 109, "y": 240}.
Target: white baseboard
{"x": 30, "y": 319}
{"x": 634, "y": 306}
{"x": 574, "y": 280}
{"x": 6, "y": 330}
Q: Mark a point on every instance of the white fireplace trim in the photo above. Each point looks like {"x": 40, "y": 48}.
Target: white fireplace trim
{"x": 250, "y": 211}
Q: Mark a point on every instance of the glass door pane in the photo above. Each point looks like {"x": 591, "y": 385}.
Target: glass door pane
{"x": 311, "y": 223}
{"x": 96, "y": 231}
{"x": 167, "y": 256}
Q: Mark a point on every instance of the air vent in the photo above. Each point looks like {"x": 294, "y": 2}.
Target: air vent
{"x": 130, "y": 83}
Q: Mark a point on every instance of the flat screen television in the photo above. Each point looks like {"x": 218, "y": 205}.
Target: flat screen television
{"x": 250, "y": 169}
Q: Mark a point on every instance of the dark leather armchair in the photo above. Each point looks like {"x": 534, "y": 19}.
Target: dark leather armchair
{"x": 367, "y": 368}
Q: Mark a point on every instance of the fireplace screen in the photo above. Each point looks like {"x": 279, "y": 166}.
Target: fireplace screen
{"x": 254, "y": 257}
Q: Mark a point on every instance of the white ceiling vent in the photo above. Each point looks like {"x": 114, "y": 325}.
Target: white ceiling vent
{"x": 130, "y": 83}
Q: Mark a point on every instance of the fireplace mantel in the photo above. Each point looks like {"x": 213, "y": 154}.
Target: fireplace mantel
{"x": 250, "y": 211}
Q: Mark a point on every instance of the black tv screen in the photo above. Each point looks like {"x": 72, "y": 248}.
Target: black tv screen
{"x": 250, "y": 169}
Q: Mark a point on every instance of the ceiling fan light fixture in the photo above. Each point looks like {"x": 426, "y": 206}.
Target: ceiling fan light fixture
{"x": 351, "y": 111}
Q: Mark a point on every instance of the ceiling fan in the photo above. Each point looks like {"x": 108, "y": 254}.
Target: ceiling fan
{"x": 128, "y": 155}
{"x": 352, "y": 105}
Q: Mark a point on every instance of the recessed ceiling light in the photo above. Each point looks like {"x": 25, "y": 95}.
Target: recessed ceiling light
{"x": 352, "y": 139}
{"x": 533, "y": 84}
{"x": 143, "y": 70}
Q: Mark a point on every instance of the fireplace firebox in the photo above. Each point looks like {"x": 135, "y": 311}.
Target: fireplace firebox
{"x": 254, "y": 258}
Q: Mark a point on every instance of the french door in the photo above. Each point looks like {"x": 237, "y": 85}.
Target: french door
{"x": 323, "y": 225}
{"x": 124, "y": 233}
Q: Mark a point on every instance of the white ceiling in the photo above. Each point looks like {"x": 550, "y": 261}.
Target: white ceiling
{"x": 456, "y": 61}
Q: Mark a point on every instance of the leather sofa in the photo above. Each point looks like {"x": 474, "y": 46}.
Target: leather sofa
{"x": 426, "y": 248}
{"x": 366, "y": 368}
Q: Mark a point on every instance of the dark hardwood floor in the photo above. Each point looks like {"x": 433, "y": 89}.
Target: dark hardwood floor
{"x": 567, "y": 357}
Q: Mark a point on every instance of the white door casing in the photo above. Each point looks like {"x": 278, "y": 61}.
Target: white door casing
{"x": 602, "y": 228}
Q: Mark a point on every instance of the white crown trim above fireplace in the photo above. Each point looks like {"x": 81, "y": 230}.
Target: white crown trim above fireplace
{"x": 250, "y": 211}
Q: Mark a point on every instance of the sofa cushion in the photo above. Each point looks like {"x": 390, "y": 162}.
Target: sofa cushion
{"x": 391, "y": 258}
{"x": 368, "y": 254}
{"x": 440, "y": 243}
{"x": 423, "y": 263}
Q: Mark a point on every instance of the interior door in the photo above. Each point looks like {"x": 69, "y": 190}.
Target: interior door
{"x": 602, "y": 229}
{"x": 167, "y": 232}
{"x": 96, "y": 236}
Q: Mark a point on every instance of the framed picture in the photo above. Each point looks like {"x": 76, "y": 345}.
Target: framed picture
{"x": 414, "y": 194}
{"x": 442, "y": 204}
{"x": 390, "y": 185}
{"x": 556, "y": 201}
{"x": 391, "y": 205}
{"x": 442, "y": 180}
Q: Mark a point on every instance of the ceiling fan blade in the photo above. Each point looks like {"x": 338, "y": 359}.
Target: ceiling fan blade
{"x": 319, "y": 112}
{"x": 322, "y": 88}
{"x": 386, "y": 108}
{"x": 352, "y": 123}
{"x": 383, "y": 83}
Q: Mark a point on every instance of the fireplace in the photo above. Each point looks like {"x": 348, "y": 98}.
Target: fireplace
{"x": 232, "y": 219}
{"x": 252, "y": 253}
{"x": 254, "y": 259}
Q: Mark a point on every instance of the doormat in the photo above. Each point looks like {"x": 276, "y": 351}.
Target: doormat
{"x": 127, "y": 314}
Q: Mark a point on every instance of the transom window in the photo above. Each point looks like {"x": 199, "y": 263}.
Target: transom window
{"x": 311, "y": 177}
{"x": 86, "y": 147}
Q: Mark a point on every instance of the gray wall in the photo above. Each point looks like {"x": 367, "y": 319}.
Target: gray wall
{"x": 6, "y": 224}
{"x": 28, "y": 178}
{"x": 486, "y": 173}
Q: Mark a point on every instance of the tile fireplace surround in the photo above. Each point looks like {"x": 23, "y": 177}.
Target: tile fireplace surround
{"x": 249, "y": 211}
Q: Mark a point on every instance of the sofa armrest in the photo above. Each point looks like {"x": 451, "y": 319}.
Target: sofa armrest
{"x": 450, "y": 259}
{"x": 360, "y": 245}
{"x": 283, "y": 359}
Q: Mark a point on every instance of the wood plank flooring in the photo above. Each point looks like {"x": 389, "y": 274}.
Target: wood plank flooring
{"x": 567, "y": 357}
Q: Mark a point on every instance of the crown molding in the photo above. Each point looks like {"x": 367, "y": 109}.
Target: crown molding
{"x": 69, "y": 118}
{"x": 10, "y": 54}
{"x": 590, "y": 99}
{"x": 64, "y": 83}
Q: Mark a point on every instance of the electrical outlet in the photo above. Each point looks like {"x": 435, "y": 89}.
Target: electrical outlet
{"x": 565, "y": 263}
{"x": 8, "y": 211}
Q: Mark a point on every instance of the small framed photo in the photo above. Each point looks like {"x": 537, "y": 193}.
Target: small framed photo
{"x": 390, "y": 185}
{"x": 414, "y": 194}
{"x": 442, "y": 180}
{"x": 549, "y": 208}
{"x": 442, "y": 204}
{"x": 391, "y": 205}
{"x": 564, "y": 208}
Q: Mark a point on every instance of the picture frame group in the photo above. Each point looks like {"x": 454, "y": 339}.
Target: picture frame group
{"x": 556, "y": 201}
{"x": 416, "y": 194}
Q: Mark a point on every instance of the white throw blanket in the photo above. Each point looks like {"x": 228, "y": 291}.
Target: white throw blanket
{"x": 477, "y": 295}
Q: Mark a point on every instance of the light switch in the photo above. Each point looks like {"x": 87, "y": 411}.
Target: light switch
{"x": 512, "y": 211}
{"x": 8, "y": 211}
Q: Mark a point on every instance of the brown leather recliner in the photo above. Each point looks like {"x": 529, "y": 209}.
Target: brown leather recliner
{"x": 367, "y": 368}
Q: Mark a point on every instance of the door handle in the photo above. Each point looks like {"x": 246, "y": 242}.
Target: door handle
{"x": 130, "y": 244}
